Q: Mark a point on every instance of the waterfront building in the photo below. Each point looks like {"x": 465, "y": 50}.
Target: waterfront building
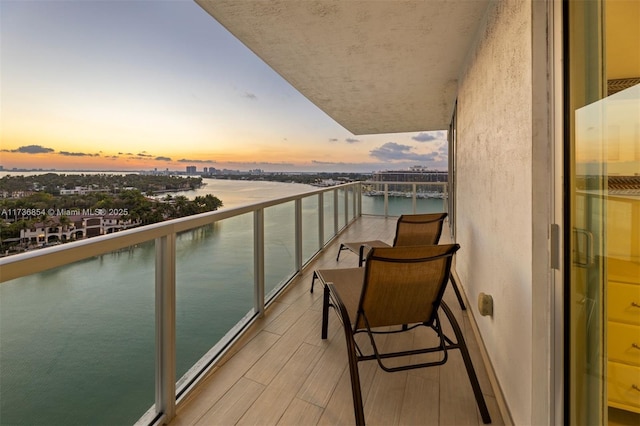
{"x": 191, "y": 170}
{"x": 326, "y": 182}
{"x": 413, "y": 174}
{"x": 74, "y": 227}
{"x": 81, "y": 190}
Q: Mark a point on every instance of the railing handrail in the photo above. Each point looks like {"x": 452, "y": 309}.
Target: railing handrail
{"x": 393, "y": 182}
{"x": 31, "y": 262}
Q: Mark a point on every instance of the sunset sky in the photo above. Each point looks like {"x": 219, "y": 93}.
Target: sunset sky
{"x": 138, "y": 85}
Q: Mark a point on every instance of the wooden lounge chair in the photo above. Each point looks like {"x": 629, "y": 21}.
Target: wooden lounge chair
{"x": 398, "y": 286}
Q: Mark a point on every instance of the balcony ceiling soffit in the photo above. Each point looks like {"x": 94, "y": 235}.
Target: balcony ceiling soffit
{"x": 373, "y": 66}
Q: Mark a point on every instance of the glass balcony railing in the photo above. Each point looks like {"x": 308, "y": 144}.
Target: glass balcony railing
{"x": 396, "y": 198}
{"x": 214, "y": 288}
{"x": 99, "y": 330}
{"x": 81, "y": 333}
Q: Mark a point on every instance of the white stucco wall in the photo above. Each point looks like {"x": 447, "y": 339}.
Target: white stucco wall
{"x": 494, "y": 194}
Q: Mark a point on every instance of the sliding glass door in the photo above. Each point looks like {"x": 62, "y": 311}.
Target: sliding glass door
{"x": 602, "y": 297}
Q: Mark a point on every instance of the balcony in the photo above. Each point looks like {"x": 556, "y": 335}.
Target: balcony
{"x": 242, "y": 353}
{"x": 282, "y": 372}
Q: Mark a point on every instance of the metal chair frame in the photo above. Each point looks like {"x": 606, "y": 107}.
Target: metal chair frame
{"x": 360, "y": 324}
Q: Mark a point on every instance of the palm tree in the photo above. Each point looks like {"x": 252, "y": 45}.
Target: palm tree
{"x": 207, "y": 203}
{"x": 65, "y": 221}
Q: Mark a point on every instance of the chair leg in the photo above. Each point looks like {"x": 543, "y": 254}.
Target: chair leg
{"x": 458, "y": 295}
{"x": 482, "y": 405}
{"x": 325, "y": 312}
{"x": 313, "y": 280}
{"x": 356, "y": 391}
{"x": 342, "y": 247}
{"x": 352, "y": 355}
{"x": 361, "y": 256}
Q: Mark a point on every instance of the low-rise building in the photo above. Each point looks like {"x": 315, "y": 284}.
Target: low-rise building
{"x": 80, "y": 190}
{"x": 55, "y": 229}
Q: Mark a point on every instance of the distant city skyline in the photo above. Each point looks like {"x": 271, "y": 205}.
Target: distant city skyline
{"x": 136, "y": 85}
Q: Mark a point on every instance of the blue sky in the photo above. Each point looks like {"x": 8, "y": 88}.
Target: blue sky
{"x": 131, "y": 85}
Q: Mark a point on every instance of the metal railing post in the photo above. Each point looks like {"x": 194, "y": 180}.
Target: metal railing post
{"x": 346, "y": 206}
{"x": 335, "y": 212}
{"x": 298, "y": 234}
{"x": 258, "y": 261}
{"x": 414, "y": 195}
{"x": 320, "y": 220}
{"x": 166, "y": 326}
{"x": 386, "y": 199}
{"x": 359, "y": 199}
{"x": 354, "y": 204}
{"x": 445, "y": 199}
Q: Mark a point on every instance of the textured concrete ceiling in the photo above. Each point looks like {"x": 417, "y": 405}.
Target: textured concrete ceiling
{"x": 373, "y": 66}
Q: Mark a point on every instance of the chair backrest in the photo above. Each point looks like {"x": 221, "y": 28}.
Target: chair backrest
{"x": 419, "y": 229}
{"x": 403, "y": 285}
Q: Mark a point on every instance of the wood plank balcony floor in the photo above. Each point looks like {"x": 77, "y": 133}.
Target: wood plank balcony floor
{"x": 282, "y": 373}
